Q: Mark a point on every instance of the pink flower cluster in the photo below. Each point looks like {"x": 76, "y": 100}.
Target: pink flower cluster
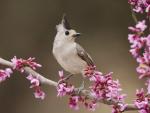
{"x": 74, "y": 102}
{"x": 142, "y": 102}
{"x": 4, "y": 74}
{"x": 89, "y": 71}
{"x": 140, "y": 6}
{"x": 140, "y": 49}
{"x": 103, "y": 87}
{"x": 64, "y": 88}
{"x": 20, "y": 63}
{"x": 35, "y": 84}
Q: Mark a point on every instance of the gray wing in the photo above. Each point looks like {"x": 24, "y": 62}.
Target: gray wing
{"x": 84, "y": 55}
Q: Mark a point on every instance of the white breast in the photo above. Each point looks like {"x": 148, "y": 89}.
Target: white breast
{"x": 66, "y": 56}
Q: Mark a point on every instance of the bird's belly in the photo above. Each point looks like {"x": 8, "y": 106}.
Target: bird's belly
{"x": 72, "y": 64}
{"x": 66, "y": 56}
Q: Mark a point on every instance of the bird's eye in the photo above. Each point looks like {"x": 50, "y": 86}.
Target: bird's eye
{"x": 67, "y": 33}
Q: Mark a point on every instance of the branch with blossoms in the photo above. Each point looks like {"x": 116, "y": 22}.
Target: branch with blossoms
{"x": 102, "y": 89}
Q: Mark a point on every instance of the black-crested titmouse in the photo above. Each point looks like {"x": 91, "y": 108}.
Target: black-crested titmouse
{"x": 69, "y": 54}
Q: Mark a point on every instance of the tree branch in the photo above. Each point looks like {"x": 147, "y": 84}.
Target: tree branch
{"x": 43, "y": 80}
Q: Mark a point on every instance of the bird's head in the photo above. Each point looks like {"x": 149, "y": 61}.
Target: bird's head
{"x": 65, "y": 32}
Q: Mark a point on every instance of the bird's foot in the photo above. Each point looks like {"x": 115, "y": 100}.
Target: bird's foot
{"x": 65, "y": 79}
{"x": 80, "y": 88}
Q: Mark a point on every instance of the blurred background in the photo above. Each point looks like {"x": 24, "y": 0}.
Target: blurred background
{"x": 27, "y": 29}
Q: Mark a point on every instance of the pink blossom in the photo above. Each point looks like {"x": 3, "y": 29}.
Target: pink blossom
{"x": 132, "y": 37}
{"x": 143, "y": 70}
{"x": 73, "y": 102}
{"x": 140, "y": 59}
{"x": 146, "y": 57}
{"x": 91, "y": 105}
{"x": 148, "y": 9}
{"x": 35, "y": 84}
{"x": 142, "y": 102}
{"x": 137, "y": 42}
{"x": 96, "y": 76}
{"x": 134, "y": 52}
{"x": 148, "y": 40}
{"x": 64, "y": 89}
{"x": 61, "y": 74}
{"x": 139, "y": 27}
{"x": 138, "y": 9}
{"x": 148, "y": 86}
{"x": 4, "y": 74}
{"x": 39, "y": 94}
{"x": 119, "y": 108}
{"x": 33, "y": 80}
{"x": 89, "y": 71}
{"x": 139, "y": 6}
{"x": 20, "y": 63}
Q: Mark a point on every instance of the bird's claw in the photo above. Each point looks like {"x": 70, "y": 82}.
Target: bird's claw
{"x": 80, "y": 88}
{"x": 64, "y": 79}
{"x": 61, "y": 81}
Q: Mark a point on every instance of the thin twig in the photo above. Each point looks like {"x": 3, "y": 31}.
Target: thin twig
{"x": 134, "y": 15}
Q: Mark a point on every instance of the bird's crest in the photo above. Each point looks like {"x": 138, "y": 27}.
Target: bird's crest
{"x": 64, "y": 24}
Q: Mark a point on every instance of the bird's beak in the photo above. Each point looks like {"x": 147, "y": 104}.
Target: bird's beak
{"x": 65, "y": 22}
{"x": 76, "y": 35}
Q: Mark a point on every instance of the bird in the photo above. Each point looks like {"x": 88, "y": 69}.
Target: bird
{"x": 69, "y": 54}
